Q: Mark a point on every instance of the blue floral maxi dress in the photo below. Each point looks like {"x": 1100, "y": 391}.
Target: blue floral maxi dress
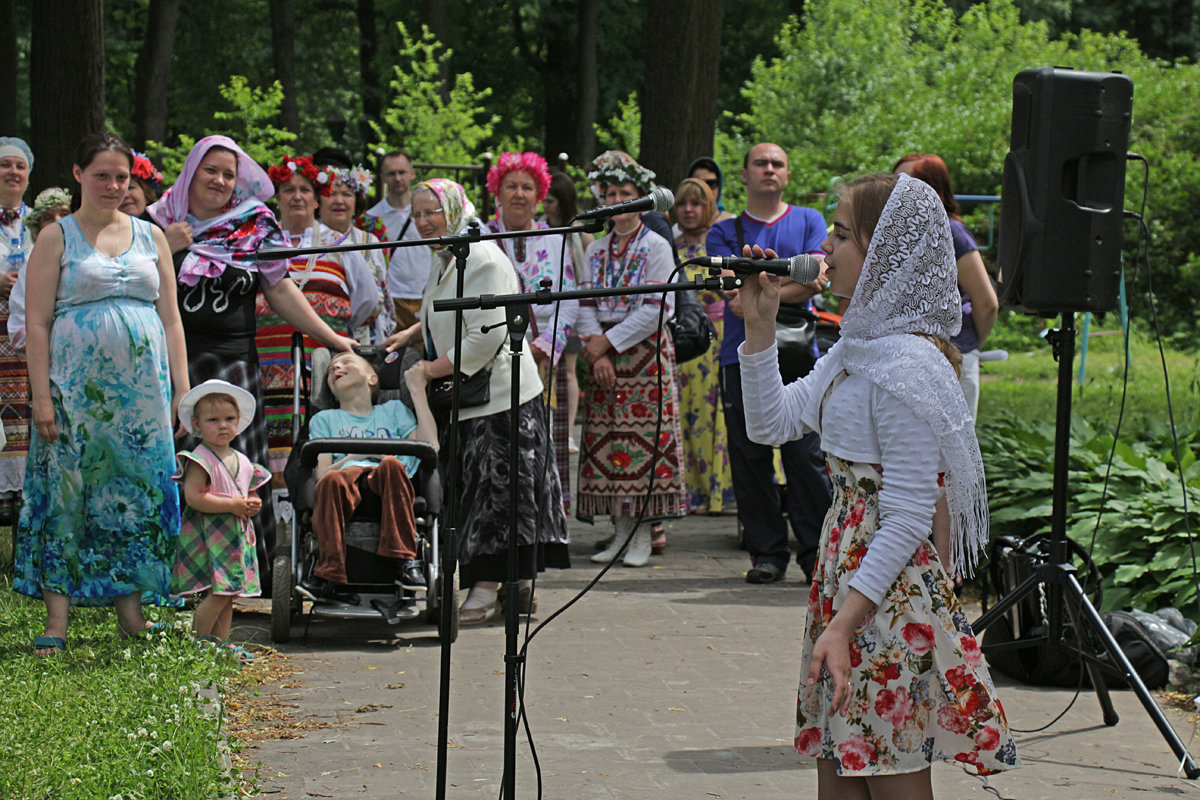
{"x": 101, "y": 513}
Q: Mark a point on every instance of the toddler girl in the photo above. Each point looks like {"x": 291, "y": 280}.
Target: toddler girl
{"x": 216, "y": 543}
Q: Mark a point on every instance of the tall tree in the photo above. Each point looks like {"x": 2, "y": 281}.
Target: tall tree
{"x": 153, "y": 67}
{"x": 368, "y": 33}
{"x": 587, "y": 89}
{"x": 66, "y": 94}
{"x": 679, "y": 95}
{"x": 8, "y": 65}
{"x": 283, "y": 49}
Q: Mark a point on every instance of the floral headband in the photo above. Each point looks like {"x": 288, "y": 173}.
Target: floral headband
{"x": 532, "y": 163}
{"x": 358, "y": 178}
{"x": 289, "y": 166}
{"x": 143, "y": 168}
{"x": 614, "y": 166}
{"x": 54, "y": 197}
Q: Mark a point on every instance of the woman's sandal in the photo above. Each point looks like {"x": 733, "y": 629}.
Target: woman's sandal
{"x": 55, "y": 644}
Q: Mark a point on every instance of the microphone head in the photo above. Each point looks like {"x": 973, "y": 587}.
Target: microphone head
{"x": 664, "y": 198}
{"x": 804, "y": 268}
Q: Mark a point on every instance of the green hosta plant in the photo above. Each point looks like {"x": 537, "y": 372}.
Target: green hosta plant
{"x": 1141, "y": 544}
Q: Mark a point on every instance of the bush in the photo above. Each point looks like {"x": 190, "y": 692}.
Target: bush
{"x": 946, "y": 87}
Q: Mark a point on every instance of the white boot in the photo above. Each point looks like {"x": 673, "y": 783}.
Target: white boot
{"x": 638, "y": 554}
{"x": 621, "y": 528}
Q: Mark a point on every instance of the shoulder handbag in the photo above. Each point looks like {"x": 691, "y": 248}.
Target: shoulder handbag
{"x": 691, "y": 329}
{"x": 473, "y": 390}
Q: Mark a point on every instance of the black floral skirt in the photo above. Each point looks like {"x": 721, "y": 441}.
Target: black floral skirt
{"x": 483, "y": 522}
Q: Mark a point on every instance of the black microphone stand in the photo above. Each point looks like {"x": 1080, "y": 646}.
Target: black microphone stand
{"x": 517, "y": 314}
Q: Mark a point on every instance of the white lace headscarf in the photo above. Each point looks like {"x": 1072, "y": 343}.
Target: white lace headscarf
{"x": 909, "y": 284}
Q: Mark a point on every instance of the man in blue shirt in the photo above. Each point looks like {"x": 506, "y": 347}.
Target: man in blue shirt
{"x": 788, "y": 230}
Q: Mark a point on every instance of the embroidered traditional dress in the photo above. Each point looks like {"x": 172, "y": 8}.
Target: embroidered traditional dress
{"x": 619, "y": 426}
{"x": 537, "y": 258}
{"x": 708, "y": 482}
{"x": 216, "y": 551}
{"x": 101, "y": 514}
{"x": 16, "y": 244}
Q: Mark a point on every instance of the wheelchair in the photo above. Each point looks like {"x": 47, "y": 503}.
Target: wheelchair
{"x": 373, "y": 592}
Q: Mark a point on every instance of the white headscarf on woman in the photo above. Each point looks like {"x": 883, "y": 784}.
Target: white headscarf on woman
{"x": 908, "y": 285}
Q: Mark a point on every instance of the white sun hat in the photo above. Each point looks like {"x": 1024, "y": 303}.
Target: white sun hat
{"x": 245, "y": 402}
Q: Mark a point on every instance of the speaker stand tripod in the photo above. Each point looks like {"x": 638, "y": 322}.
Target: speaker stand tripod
{"x": 1056, "y": 577}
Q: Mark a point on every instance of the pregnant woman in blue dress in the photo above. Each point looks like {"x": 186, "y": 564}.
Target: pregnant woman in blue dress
{"x": 107, "y": 366}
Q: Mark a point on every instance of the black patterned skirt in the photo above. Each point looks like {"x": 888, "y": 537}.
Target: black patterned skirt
{"x": 542, "y": 535}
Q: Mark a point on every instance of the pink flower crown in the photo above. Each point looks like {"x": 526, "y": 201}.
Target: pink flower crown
{"x": 532, "y": 163}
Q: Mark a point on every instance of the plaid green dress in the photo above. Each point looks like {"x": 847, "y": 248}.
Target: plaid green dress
{"x": 216, "y": 551}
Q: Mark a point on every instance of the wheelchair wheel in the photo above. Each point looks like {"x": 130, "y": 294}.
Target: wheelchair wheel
{"x": 281, "y": 600}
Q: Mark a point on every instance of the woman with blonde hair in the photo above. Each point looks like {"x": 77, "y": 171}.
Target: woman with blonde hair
{"x": 707, "y": 478}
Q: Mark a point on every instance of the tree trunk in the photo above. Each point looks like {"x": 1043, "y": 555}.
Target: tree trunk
{"x": 437, "y": 18}
{"x": 559, "y": 107}
{"x": 8, "y": 66}
{"x": 679, "y": 95}
{"x": 587, "y": 88}
{"x": 66, "y": 96}
{"x": 283, "y": 50}
{"x": 368, "y": 70}
{"x": 153, "y": 67}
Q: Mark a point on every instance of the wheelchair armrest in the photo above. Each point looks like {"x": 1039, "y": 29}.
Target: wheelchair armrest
{"x": 375, "y": 447}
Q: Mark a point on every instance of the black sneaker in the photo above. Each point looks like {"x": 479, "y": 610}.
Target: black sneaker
{"x": 410, "y": 574}
{"x": 328, "y": 590}
{"x": 765, "y": 572}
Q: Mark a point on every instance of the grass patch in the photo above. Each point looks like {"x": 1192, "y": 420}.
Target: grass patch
{"x": 1026, "y": 384}
{"x": 112, "y": 718}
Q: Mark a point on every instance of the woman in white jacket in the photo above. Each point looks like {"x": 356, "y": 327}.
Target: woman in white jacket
{"x": 440, "y": 207}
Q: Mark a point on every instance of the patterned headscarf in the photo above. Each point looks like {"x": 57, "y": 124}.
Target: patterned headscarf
{"x": 909, "y": 284}
{"x": 13, "y": 146}
{"x": 615, "y": 166}
{"x": 231, "y": 237}
{"x": 532, "y": 163}
{"x": 252, "y": 182}
{"x": 457, "y": 209}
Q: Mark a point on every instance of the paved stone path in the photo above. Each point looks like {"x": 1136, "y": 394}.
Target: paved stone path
{"x": 673, "y": 681}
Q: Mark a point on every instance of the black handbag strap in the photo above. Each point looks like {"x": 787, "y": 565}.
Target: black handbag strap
{"x": 741, "y": 234}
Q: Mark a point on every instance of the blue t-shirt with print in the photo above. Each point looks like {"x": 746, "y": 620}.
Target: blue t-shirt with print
{"x": 390, "y": 420}
{"x": 799, "y": 230}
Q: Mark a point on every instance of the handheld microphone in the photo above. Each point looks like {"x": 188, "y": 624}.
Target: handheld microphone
{"x": 659, "y": 199}
{"x": 803, "y": 268}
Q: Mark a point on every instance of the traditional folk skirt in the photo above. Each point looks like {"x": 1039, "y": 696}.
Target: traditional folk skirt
{"x": 618, "y": 452}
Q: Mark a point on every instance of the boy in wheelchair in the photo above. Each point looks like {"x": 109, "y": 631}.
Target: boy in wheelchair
{"x": 342, "y": 478}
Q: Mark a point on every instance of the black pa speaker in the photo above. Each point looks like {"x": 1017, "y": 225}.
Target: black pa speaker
{"x": 1063, "y": 191}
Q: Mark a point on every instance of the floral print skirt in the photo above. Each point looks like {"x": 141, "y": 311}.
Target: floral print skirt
{"x": 921, "y": 690}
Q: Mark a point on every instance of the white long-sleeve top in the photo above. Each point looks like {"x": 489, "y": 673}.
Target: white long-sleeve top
{"x": 859, "y": 422}
{"x": 626, "y": 320}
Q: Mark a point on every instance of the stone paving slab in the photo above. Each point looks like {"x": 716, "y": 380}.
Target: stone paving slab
{"x": 672, "y": 681}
